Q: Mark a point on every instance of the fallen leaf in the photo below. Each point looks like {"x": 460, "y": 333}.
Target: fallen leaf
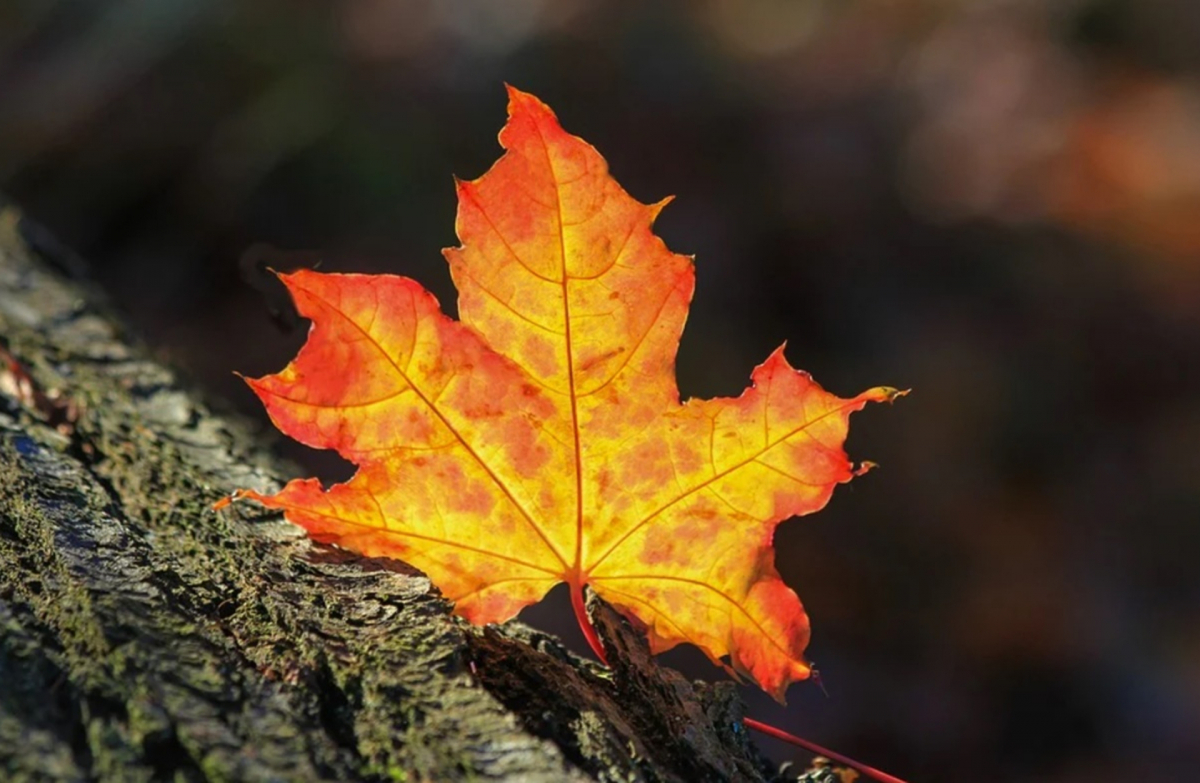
{"x": 540, "y": 439}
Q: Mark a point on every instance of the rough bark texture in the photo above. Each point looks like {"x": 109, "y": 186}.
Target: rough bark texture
{"x": 145, "y": 637}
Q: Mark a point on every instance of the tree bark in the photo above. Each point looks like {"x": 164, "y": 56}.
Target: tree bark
{"x": 144, "y": 637}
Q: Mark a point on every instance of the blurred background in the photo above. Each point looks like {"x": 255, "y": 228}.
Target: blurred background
{"x": 996, "y": 203}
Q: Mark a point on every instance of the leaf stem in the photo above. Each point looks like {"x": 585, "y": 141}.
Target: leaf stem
{"x": 593, "y": 640}
{"x": 813, "y": 747}
{"x": 585, "y": 624}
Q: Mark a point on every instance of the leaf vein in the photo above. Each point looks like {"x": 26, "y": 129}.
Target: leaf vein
{"x": 453, "y": 431}
{"x": 613, "y": 547}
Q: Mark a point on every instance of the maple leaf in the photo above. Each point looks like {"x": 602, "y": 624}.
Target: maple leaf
{"x": 541, "y": 439}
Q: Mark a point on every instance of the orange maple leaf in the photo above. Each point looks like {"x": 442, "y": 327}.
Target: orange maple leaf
{"x": 540, "y": 439}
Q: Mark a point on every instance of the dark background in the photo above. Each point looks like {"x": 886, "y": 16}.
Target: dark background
{"x": 994, "y": 203}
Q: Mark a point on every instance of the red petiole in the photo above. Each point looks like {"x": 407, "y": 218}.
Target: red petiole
{"x": 593, "y": 641}
{"x": 813, "y": 747}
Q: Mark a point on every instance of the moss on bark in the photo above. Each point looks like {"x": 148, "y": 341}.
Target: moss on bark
{"x": 144, "y": 637}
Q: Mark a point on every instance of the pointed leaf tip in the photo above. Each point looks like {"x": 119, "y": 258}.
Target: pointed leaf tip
{"x": 864, "y": 467}
{"x": 520, "y": 102}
